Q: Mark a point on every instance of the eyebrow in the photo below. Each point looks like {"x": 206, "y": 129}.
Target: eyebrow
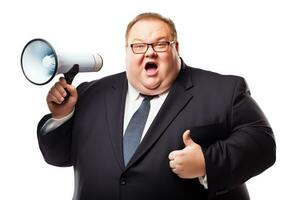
{"x": 157, "y": 40}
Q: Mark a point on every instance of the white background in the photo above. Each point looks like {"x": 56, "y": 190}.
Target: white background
{"x": 256, "y": 39}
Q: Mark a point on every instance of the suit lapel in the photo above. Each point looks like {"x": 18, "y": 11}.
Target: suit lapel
{"x": 115, "y": 104}
{"x": 176, "y": 100}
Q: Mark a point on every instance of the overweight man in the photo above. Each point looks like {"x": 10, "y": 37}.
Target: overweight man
{"x": 160, "y": 130}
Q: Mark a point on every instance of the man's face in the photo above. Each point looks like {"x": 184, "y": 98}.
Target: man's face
{"x": 153, "y": 72}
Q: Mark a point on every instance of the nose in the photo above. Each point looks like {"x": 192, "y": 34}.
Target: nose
{"x": 150, "y": 52}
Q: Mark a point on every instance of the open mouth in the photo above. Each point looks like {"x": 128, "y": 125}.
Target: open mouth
{"x": 151, "y": 68}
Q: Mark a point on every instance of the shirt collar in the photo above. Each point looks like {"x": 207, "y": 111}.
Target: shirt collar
{"x": 132, "y": 93}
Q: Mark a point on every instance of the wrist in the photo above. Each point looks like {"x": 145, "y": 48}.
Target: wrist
{"x": 63, "y": 116}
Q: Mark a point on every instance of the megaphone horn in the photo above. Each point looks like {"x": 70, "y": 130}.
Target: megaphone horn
{"x": 40, "y": 62}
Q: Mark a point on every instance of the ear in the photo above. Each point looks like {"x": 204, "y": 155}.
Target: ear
{"x": 177, "y": 47}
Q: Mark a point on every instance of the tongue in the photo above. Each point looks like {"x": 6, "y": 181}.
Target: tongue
{"x": 151, "y": 71}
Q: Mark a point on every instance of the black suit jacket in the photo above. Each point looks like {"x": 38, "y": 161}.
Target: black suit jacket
{"x": 236, "y": 138}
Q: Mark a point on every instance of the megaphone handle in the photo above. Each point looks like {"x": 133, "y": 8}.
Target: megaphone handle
{"x": 69, "y": 76}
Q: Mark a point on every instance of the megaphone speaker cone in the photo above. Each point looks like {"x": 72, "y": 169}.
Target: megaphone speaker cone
{"x": 39, "y": 61}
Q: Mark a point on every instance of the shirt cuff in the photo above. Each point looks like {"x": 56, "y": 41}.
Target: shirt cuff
{"x": 203, "y": 181}
{"x": 54, "y": 123}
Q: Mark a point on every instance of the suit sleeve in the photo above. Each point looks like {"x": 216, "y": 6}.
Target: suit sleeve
{"x": 249, "y": 149}
{"x": 56, "y": 144}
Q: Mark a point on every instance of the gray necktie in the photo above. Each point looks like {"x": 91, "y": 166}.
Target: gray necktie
{"x": 135, "y": 128}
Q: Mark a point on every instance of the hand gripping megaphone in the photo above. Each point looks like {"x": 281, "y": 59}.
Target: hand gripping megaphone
{"x": 40, "y": 62}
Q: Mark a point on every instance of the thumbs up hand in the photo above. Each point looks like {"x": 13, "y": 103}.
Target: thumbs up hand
{"x": 188, "y": 162}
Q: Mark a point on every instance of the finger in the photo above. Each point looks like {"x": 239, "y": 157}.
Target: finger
{"x": 72, "y": 90}
{"x": 172, "y": 164}
{"x": 53, "y": 99}
{"x": 181, "y": 175}
{"x": 63, "y": 82}
{"x": 174, "y": 170}
{"x": 60, "y": 88}
{"x": 177, "y": 171}
{"x": 56, "y": 93}
{"x": 186, "y": 137}
{"x": 174, "y": 154}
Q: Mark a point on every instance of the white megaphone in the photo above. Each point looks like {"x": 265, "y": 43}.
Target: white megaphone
{"x": 40, "y": 63}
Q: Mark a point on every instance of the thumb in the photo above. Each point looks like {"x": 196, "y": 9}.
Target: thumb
{"x": 72, "y": 90}
{"x": 186, "y": 137}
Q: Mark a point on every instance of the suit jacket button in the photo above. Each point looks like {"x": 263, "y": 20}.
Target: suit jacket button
{"x": 123, "y": 182}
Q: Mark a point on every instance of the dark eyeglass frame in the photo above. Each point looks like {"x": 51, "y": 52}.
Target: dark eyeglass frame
{"x": 154, "y": 45}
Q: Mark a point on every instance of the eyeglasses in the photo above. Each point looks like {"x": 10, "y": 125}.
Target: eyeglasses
{"x": 141, "y": 48}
